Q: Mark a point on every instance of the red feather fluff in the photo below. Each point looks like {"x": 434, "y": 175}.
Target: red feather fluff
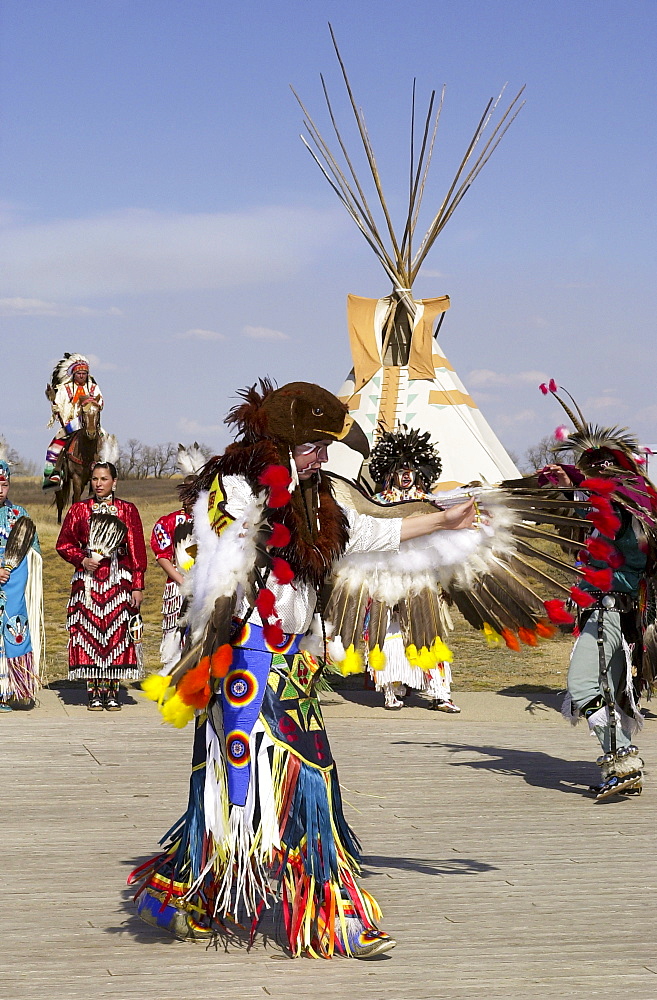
{"x": 221, "y": 660}
{"x": 275, "y": 475}
{"x": 279, "y": 496}
{"x": 601, "y": 579}
{"x": 556, "y": 612}
{"x": 282, "y": 570}
{"x": 602, "y": 504}
{"x": 596, "y": 484}
{"x": 280, "y": 536}
{"x": 607, "y": 524}
{"x": 265, "y": 602}
{"x": 273, "y": 634}
{"x": 600, "y": 549}
{"x": 581, "y": 597}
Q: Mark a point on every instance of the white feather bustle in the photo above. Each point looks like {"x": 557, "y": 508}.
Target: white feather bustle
{"x": 191, "y": 460}
{"x": 223, "y": 562}
{"x": 313, "y": 640}
{"x": 450, "y": 558}
{"x": 109, "y": 448}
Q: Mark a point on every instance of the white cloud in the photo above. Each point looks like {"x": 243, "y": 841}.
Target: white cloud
{"x": 199, "y": 334}
{"x": 263, "y": 333}
{"x": 101, "y": 366}
{"x": 196, "y": 429}
{"x": 135, "y": 251}
{"x": 37, "y": 307}
{"x": 484, "y": 376}
{"x": 505, "y": 420}
{"x": 604, "y": 402}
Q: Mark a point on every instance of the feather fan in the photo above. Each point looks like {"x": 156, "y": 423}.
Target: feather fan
{"x": 106, "y": 534}
{"x": 19, "y": 541}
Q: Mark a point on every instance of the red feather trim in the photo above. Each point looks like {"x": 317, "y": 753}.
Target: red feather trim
{"x": 221, "y": 660}
{"x": 273, "y": 634}
{"x": 510, "y": 639}
{"x": 581, "y": 597}
{"x": 600, "y": 549}
{"x": 601, "y": 579}
{"x": 602, "y": 504}
{"x": 544, "y": 630}
{"x": 556, "y": 612}
{"x": 282, "y": 570}
{"x": 280, "y": 536}
{"x": 265, "y": 602}
{"x": 528, "y": 636}
{"x": 275, "y": 475}
{"x": 596, "y": 484}
{"x": 278, "y": 497}
{"x": 607, "y": 524}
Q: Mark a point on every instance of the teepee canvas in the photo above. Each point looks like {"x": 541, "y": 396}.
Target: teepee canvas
{"x": 400, "y": 375}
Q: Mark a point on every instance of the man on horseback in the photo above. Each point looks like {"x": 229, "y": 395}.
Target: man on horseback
{"x": 72, "y": 387}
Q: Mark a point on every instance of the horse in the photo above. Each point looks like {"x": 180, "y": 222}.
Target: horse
{"x": 80, "y": 453}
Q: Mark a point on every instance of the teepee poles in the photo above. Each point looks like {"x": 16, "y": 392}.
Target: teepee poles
{"x": 397, "y": 259}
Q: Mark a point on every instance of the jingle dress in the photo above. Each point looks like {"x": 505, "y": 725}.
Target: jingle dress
{"x": 99, "y": 612}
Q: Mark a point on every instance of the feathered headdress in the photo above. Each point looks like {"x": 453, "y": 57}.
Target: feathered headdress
{"x": 191, "y": 460}
{"x": 65, "y": 369}
{"x": 405, "y": 449}
{"x": 586, "y": 441}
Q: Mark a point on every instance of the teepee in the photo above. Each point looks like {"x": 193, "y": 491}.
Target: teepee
{"x": 400, "y": 375}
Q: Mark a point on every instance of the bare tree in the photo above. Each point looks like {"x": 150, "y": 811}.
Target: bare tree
{"x": 542, "y": 453}
{"x": 19, "y": 466}
{"x": 143, "y": 461}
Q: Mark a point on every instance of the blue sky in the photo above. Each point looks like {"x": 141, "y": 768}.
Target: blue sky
{"x": 159, "y": 213}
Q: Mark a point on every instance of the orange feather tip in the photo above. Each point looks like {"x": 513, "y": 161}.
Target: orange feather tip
{"x": 528, "y": 636}
{"x": 510, "y": 639}
{"x": 221, "y": 660}
{"x": 544, "y": 629}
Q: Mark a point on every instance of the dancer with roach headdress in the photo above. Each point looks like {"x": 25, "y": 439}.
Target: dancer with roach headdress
{"x": 614, "y": 658}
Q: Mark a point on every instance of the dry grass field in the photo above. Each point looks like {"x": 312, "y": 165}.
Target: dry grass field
{"x": 475, "y": 668}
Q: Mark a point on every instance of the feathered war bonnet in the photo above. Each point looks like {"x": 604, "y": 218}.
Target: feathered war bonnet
{"x": 405, "y": 449}
{"x": 66, "y": 368}
{"x": 594, "y": 447}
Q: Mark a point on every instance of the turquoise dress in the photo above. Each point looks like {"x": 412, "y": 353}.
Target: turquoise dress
{"x": 18, "y": 664}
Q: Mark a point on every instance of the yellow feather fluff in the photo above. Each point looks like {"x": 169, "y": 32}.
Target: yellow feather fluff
{"x": 176, "y": 712}
{"x": 377, "y": 658}
{"x": 352, "y": 663}
{"x": 442, "y": 652}
{"x": 493, "y": 638}
{"x": 155, "y": 687}
{"x": 412, "y": 655}
{"x": 426, "y": 658}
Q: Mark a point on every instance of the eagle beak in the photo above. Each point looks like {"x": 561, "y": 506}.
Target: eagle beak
{"x": 353, "y": 436}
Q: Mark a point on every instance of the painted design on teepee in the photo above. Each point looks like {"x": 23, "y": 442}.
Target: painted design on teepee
{"x": 400, "y": 375}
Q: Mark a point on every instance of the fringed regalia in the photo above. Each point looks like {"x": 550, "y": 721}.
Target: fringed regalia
{"x": 21, "y": 608}
{"x": 163, "y": 546}
{"x": 99, "y": 611}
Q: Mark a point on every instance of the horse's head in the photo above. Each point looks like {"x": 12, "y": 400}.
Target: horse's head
{"x": 90, "y": 418}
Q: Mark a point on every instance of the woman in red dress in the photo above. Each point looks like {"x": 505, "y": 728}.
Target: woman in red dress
{"x": 106, "y": 593}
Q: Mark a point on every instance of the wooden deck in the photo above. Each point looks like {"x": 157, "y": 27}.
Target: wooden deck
{"x": 498, "y": 875}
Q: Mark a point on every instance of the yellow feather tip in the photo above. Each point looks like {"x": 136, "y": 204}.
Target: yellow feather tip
{"x": 176, "y": 712}
{"x": 377, "y": 658}
{"x": 493, "y": 638}
{"x": 412, "y": 655}
{"x": 155, "y": 687}
{"x": 442, "y": 652}
{"x": 427, "y": 660}
{"x": 352, "y": 663}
